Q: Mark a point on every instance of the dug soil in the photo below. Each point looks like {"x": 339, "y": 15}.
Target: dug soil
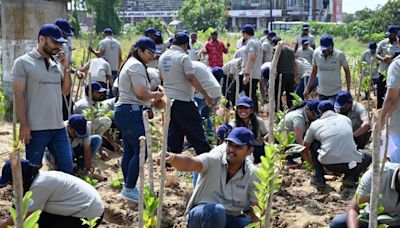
{"x": 296, "y": 205}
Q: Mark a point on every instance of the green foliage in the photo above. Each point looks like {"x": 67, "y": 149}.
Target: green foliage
{"x": 365, "y": 211}
{"x": 106, "y": 14}
{"x": 117, "y": 182}
{"x": 148, "y": 22}
{"x": 91, "y": 181}
{"x": 151, "y": 204}
{"x": 90, "y": 223}
{"x": 202, "y": 14}
{"x": 269, "y": 181}
{"x": 297, "y": 99}
{"x": 74, "y": 20}
{"x": 32, "y": 219}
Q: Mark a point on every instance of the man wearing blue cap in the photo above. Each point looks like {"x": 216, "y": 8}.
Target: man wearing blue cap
{"x": 305, "y": 35}
{"x": 180, "y": 83}
{"x": 268, "y": 50}
{"x": 65, "y": 27}
{"x": 40, "y": 77}
{"x": 370, "y": 58}
{"x": 358, "y": 115}
{"x": 305, "y": 51}
{"x": 251, "y": 64}
{"x": 226, "y": 182}
{"x": 329, "y": 141}
{"x": 84, "y": 145}
{"x": 385, "y": 53}
{"x": 327, "y": 63}
{"x": 62, "y": 198}
{"x": 111, "y": 49}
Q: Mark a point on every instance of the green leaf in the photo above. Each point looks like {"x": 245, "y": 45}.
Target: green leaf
{"x": 383, "y": 226}
{"x": 27, "y": 198}
{"x": 385, "y": 217}
{"x": 13, "y": 214}
{"x": 32, "y": 219}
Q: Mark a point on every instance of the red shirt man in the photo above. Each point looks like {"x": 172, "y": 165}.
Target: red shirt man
{"x": 214, "y": 49}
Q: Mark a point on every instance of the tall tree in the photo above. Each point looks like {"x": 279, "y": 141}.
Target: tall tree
{"x": 202, "y": 14}
{"x": 106, "y": 14}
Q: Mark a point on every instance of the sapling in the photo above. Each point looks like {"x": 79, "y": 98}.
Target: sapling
{"x": 28, "y": 221}
{"x": 269, "y": 180}
{"x": 117, "y": 182}
{"x": 91, "y": 181}
{"x": 151, "y": 204}
{"x": 365, "y": 213}
{"x": 90, "y": 223}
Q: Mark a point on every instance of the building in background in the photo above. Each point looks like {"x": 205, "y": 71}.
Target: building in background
{"x": 239, "y": 12}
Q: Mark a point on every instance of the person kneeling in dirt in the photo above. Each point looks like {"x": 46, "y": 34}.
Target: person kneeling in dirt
{"x": 63, "y": 199}
{"x": 84, "y": 146}
{"x": 390, "y": 190}
{"x": 226, "y": 183}
{"x": 330, "y": 141}
{"x": 358, "y": 115}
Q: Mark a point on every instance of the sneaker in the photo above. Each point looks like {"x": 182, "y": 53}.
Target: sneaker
{"x": 317, "y": 183}
{"x": 130, "y": 194}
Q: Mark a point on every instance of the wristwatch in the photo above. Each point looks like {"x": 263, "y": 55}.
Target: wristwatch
{"x": 246, "y": 74}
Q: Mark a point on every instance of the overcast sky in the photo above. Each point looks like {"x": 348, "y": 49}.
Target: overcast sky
{"x": 351, "y": 6}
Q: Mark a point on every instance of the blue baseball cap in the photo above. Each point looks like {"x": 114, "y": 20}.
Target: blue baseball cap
{"x": 313, "y": 106}
{"x": 108, "y": 31}
{"x": 223, "y": 131}
{"x": 248, "y": 28}
{"x": 272, "y": 34}
{"x": 372, "y": 46}
{"x": 326, "y": 42}
{"x": 245, "y": 101}
{"x": 64, "y": 25}
{"x": 218, "y": 73}
{"x": 52, "y": 31}
{"x": 325, "y": 105}
{"x": 391, "y": 29}
{"x": 241, "y": 136}
{"x": 150, "y": 30}
{"x": 148, "y": 43}
{"x": 96, "y": 87}
{"x": 306, "y": 27}
{"x": 266, "y": 31}
{"x": 78, "y": 123}
{"x": 305, "y": 41}
{"x": 181, "y": 38}
{"x": 342, "y": 99}
{"x": 6, "y": 174}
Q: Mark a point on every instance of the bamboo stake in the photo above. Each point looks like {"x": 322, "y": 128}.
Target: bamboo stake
{"x": 16, "y": 172}
{"x": 149, "y": 149}
{"x": 271, "y": 91}
{"x": 359, "y": 86}
{"x": 237, "y": 89}
{"x": 279, "y": 94}
{"x": 141, "y": 177}
{"x": 376, "y": 136}
{"x": 162, "y": 163}
{"x": 384, "y": 158}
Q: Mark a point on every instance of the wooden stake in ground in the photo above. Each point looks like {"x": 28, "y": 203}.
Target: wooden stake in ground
{"x": 16, "y": 172}
{"x": 271, "y": 92}
{"x": 141, "y": 177}
{"x": 162, "y": 162}
{"x": 374, "y": 199}
{"x": 279, "y": 94}
{"x": 149, "y": 149}
{"x": 359, "y": 85}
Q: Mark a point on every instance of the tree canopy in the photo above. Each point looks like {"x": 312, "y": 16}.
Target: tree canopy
{"x": 202, "y": 14}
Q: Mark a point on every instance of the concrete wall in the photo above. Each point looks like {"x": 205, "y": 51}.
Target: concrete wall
{"x": 20, "y": 23}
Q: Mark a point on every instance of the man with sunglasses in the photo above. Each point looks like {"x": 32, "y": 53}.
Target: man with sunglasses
{"x": 40, "y": 77}
{"x": 226, "y": 182}
{"x": 327, "y": 63}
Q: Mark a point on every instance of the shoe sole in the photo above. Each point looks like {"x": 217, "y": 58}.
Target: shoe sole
{"x": 129, "y": 199}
